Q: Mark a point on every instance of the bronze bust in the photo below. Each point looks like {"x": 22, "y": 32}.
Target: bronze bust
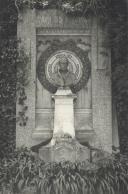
{"x": 63, "y": 77}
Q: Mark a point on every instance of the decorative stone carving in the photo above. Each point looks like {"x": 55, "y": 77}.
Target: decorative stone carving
{"x": 78, "y": 66}
{"x": 65, "y": 149}
{"x": 64, "y": 68}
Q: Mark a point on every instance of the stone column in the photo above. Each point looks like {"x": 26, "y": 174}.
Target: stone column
{"x": 26, "y": 32}
{"x": 64, "y": 113}
{"x": 101, "y": 87}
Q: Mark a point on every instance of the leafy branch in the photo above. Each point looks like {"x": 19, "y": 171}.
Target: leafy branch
{"x": 68, "y": 6}
{"x": 14, "y": 78}
{"x": 22, "y": 81}
{"x": 21, "y": 171}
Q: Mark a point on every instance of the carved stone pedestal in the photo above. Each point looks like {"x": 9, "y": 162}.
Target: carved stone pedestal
{"x": 63, "y": 146}
{"x": 64, "y": 113}
{"x": 64, "y": 149}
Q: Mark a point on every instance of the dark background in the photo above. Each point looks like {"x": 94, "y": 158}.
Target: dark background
{"x": 119, "y": 41}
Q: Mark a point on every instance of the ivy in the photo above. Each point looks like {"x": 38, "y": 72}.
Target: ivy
{"x": 14, "y": 78}
{"x": 69, "y": 6}
{"x": 22, "y": 62}
{"x": 119, "y": 40}
{"x": 115, "y": 9}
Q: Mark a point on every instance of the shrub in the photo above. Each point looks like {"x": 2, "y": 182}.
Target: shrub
{"x": 22, "y": 172}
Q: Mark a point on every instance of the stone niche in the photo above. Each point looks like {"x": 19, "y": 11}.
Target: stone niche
{"x": 39, "y": 30}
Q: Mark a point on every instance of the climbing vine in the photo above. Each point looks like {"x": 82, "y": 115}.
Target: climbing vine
{"x": 22, "y": 63}
{"x": 69, "y": 6}
{"x": 117, "y": 18}
{"x": 13, "y": 66}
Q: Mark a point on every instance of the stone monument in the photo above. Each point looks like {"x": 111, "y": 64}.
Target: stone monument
{"x": 69, "y": 96}
{"x": 63, "y": 145}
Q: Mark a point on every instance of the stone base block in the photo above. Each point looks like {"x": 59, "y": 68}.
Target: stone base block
{"x": 64, "y": 149}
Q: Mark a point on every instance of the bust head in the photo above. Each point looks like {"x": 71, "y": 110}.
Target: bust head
{"x": 63, "y": 63}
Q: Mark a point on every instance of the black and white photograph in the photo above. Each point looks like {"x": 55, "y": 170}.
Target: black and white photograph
{"x": 63, "y": 96}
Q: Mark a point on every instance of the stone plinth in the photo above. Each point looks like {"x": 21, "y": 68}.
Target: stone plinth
{"x": 64, "y": 113}
{"x": 64, "y": 149}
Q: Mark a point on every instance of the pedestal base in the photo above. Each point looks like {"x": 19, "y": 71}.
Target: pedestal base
{"x": 65, "y": 149}
{"x": 64, "y": 113}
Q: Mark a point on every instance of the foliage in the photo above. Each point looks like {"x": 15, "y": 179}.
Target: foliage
{"x": 69, "y": 6}
{"x": 119, "y": 42}
{"x": 7, "y": 98}
{"x": 8, "y": 19}
{"x": 11, "y": 61}
{"x": 22, "y": 171}
{"x": 22, "y": 64}
{"x": 56, "y": 46}
{"x": 118, "y": 35}
{"x": 14, "y": 72}
{"x": 116, "y": 14}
